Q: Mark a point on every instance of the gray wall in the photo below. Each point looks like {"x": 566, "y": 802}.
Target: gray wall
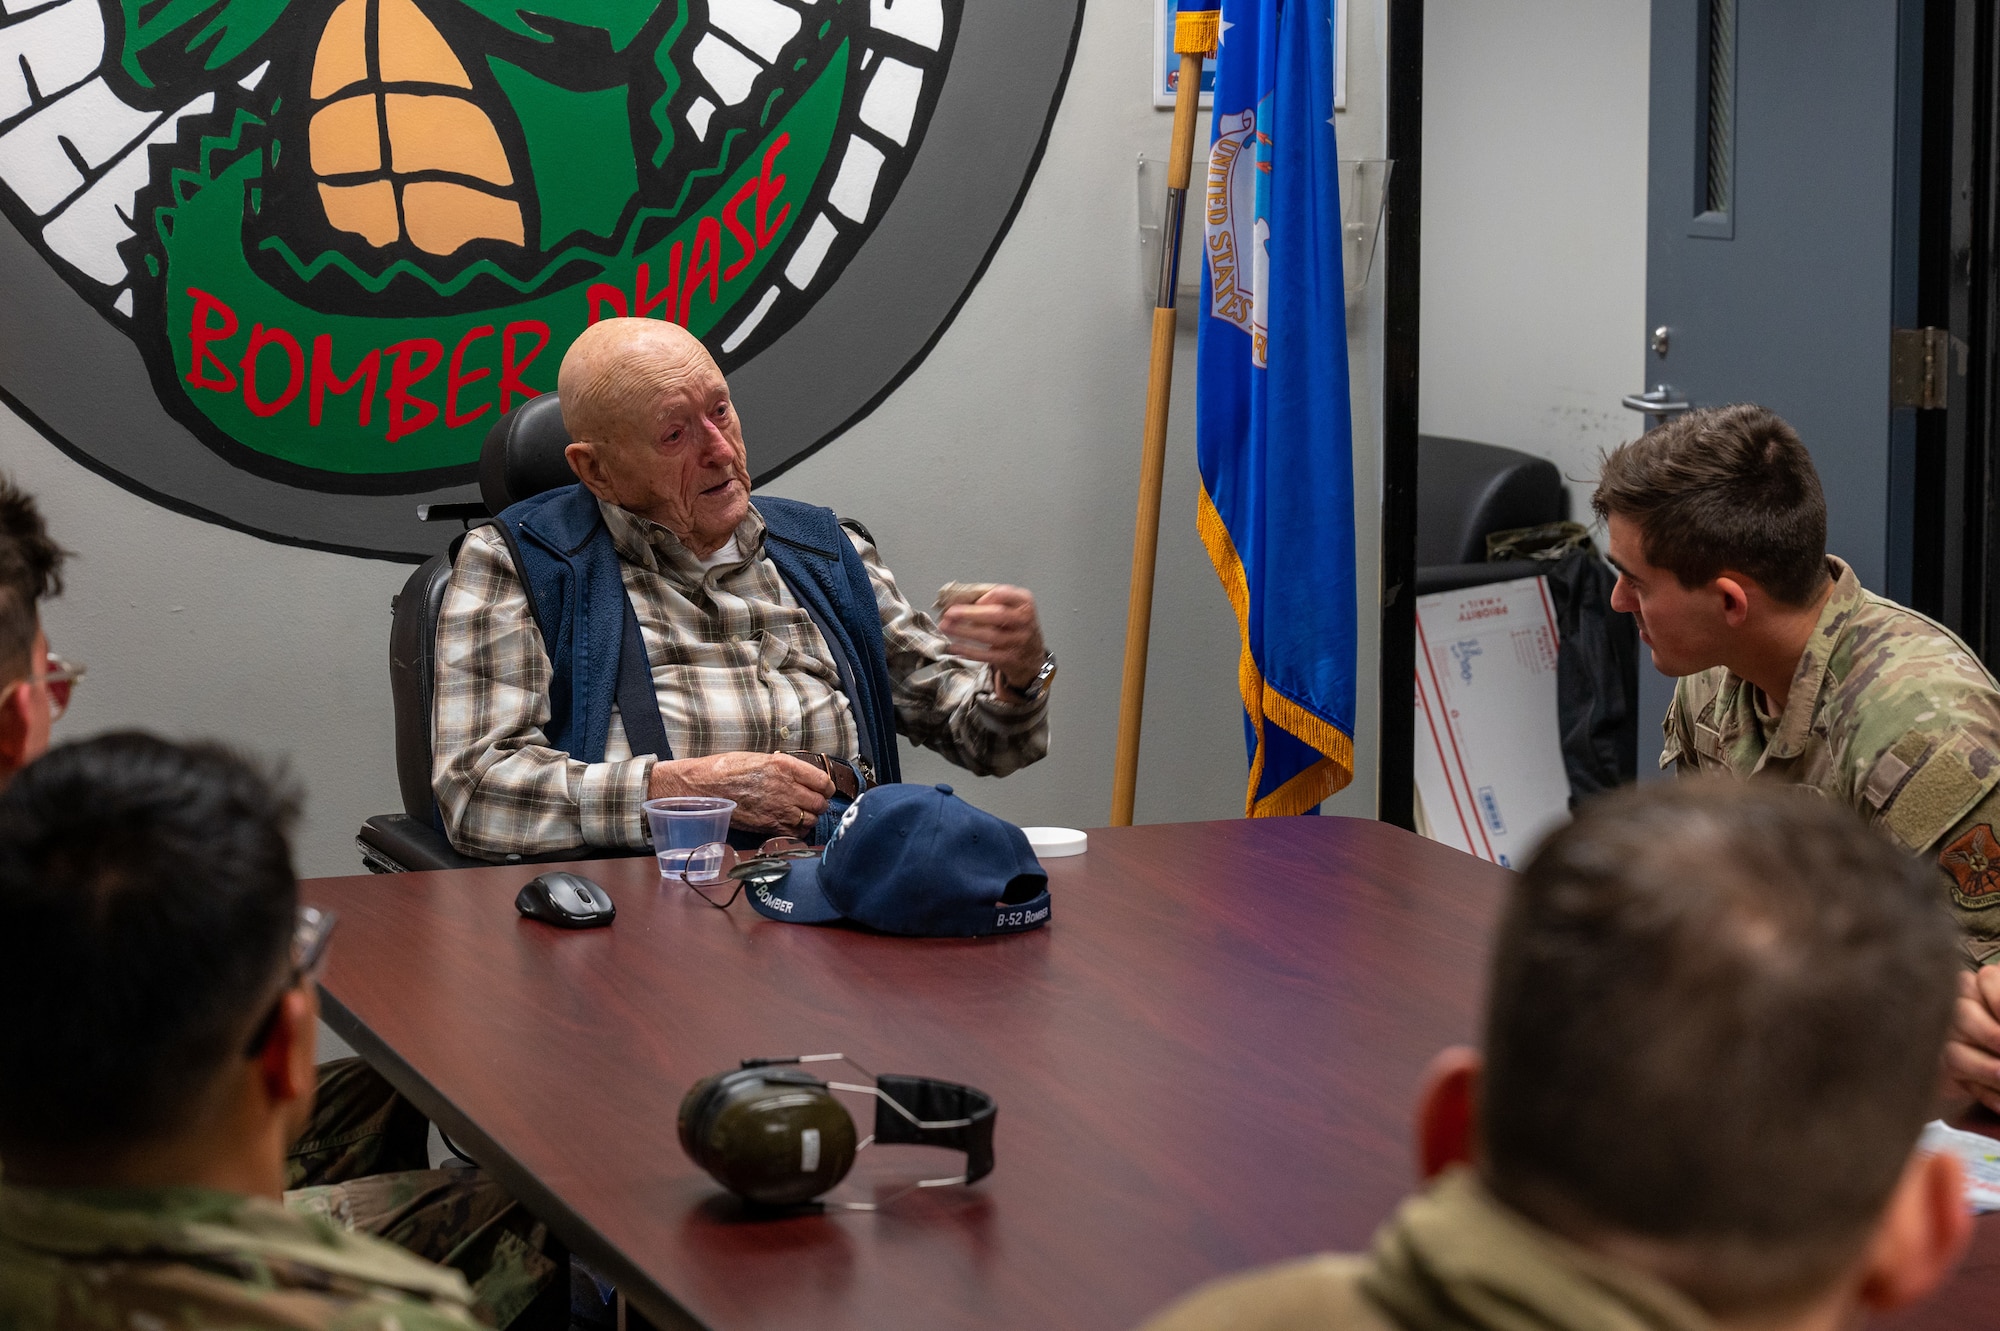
{"x": 1012, "y": 453}
{"x": 1534, "y": 248}
{"x": 1534, "y": 245}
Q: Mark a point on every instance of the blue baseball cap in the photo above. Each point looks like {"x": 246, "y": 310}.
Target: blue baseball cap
{"x": 920, "y": 861}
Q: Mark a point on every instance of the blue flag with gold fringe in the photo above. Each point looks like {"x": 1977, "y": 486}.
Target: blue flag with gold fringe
{"x": 1272, "y": 430}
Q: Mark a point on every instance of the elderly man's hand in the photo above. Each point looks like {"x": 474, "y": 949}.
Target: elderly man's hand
{"x": 774, "y": 792}
{"x": 1001, "y": 629}
{"x": 1972, "y": 1055}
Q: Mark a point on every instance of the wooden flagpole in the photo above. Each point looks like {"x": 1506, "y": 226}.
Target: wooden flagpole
{"x": 1153, "y": 461}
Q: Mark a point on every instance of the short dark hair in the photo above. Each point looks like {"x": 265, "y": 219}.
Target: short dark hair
{"x": 147, "y": 906}
{"x": 1716, "y": 1016}
{"x": 1722, "y": 489}
{"x": 30, "y": 568}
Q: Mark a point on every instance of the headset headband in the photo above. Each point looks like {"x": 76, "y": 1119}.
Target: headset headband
{"x": 919, "y": 1111}
{"x": 928, "y": 1112}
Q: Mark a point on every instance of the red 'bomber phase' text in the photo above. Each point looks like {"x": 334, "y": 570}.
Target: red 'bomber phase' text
{"x": 415, "y": 359}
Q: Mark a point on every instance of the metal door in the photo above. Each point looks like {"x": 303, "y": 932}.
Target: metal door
{"x": 1776, "y": 248}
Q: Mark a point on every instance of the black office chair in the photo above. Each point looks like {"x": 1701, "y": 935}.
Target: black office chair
{"x": 1467, "y": 490}
{"x": 522, "y": 457}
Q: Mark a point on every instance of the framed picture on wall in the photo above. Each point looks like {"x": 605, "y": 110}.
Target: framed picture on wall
{"x": 1167, "y": 65}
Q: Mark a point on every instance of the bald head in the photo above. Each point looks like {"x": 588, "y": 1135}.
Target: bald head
{"x": 613, "y": 377}
{"x": 654, "y": 429}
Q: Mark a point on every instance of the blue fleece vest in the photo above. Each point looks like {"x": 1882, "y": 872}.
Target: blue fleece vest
{"x": 565, "y": 557}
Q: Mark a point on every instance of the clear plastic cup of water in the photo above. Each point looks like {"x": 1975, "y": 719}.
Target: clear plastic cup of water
{"x": 681, "y": 824}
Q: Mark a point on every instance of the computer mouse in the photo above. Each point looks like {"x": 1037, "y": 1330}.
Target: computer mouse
{"x": 566, "y": 899}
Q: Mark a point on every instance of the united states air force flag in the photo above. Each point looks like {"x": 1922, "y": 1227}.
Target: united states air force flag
{"x": 1272, "y": 428}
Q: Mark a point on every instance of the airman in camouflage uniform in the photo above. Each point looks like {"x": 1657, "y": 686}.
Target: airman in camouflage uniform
{"x": 1586, "y": 1175}
{"x": 145, "y": 1110}
{"x": 1888, "y": 713}
{"x": 1789, "y": 670}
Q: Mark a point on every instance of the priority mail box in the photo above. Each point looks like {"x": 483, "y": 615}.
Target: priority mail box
{"x": 1489, "y": 766}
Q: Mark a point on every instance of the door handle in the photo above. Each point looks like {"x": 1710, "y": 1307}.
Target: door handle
{"x": 1660, "y": 400}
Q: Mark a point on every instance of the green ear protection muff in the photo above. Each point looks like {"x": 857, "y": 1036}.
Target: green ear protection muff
{"x": 774, "y": 1135}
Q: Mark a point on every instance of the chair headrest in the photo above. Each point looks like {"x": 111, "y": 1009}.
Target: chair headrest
{"x": 1466, "y": 489}
{"x": 523, "y": 454}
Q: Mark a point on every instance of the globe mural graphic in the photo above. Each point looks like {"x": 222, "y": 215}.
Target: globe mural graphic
{"x": 281, "y": 265}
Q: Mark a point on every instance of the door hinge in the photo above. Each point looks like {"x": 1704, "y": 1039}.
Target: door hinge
{"x": 1918, "y": 361}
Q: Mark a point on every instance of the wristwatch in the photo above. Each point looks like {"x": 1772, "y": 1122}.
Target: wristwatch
{"x": 1036, "y": 687}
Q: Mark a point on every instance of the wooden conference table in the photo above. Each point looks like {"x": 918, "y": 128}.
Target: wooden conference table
{"x": 1205, "y": 1062}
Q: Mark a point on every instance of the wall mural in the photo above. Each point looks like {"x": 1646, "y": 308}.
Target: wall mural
{"x": 280, "y": 264}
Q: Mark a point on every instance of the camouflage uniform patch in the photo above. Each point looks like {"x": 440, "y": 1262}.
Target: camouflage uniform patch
{"x": 1889, "y": 713}
{"x": 1973, "y": 861}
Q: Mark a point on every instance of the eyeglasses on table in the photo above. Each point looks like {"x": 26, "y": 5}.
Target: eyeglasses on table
{"x": 718, "y": 871}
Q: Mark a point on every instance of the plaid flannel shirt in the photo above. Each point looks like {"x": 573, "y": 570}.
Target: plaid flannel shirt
{"x": 738, "y": 666}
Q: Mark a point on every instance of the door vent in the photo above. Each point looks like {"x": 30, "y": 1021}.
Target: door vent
{"x": 1720, "y": 113}
{"x": 1714, "y": 201}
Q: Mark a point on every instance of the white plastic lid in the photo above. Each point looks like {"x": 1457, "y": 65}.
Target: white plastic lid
{"x": 1052, "y": 843}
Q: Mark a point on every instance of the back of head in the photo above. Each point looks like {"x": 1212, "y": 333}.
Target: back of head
{"x": 147, "y": 905}
{"x": 1715, "y": 1023}
{"x": 30, "y": 569}
{"x": 1723, "y": 489}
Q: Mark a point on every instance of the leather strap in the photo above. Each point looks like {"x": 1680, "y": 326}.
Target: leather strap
{"x": 846, "y": 781}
